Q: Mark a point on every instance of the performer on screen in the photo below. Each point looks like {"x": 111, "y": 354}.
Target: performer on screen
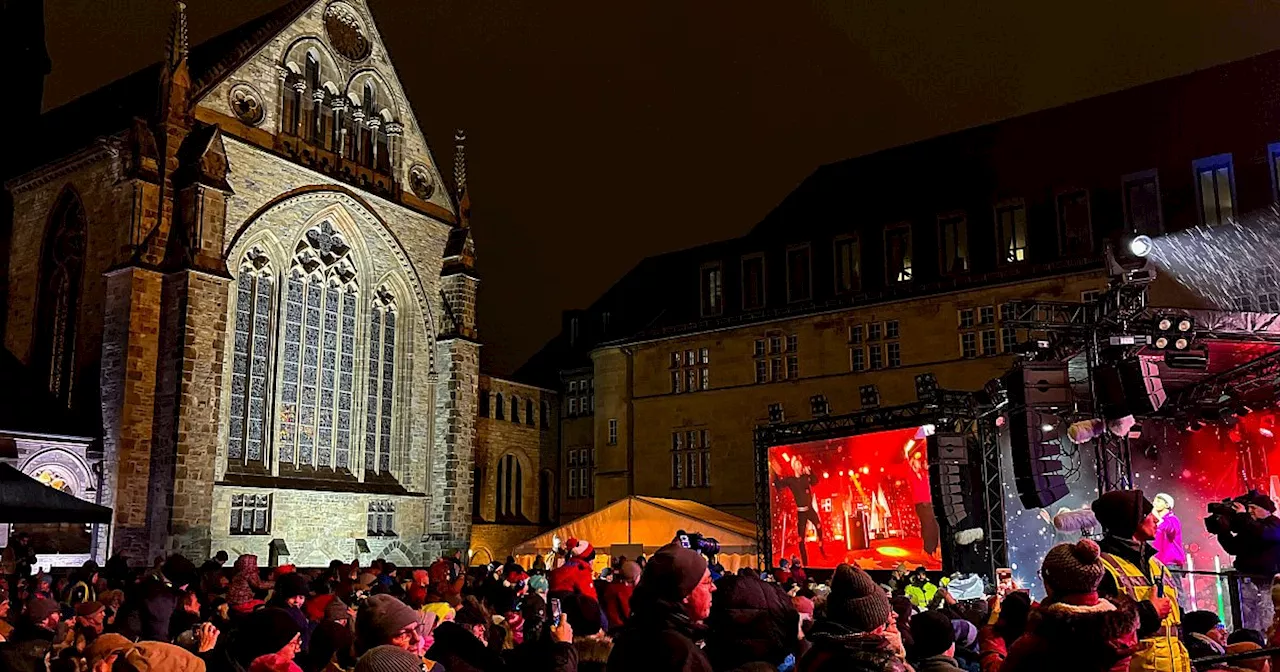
{"x": 801, "y": 487}
{"x": 923, "y": 500}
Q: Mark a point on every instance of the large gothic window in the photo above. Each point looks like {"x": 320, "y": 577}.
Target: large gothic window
{"x": 381, "y": 384}
{"x": 318, "y": 368}
{"x": 62, "y": 267}
{"x": 510, "y": 489}
{"x": 250, "y": 366}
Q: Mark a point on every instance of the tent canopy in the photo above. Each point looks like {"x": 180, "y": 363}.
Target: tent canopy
{"x": 26, "y": 500}
{"x": 651, "y": 522}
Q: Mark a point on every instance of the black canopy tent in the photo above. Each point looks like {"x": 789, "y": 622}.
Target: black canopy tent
{"x": 26, "y": 500}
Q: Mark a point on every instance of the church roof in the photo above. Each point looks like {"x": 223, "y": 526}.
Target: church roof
{"x": 113, "y": 107}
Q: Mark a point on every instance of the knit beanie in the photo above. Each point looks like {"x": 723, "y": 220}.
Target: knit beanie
{"x": 292, "y": 585}
{"x": 803, "y": 605}
{"x": 538, "y": 583}
{"x": 87, "y": 609}
{"x": 672, "y": 573}
{"x": 381, "y": 617}
{"x": 40, "y": 608}
{"x": 1073, "y": 569}
{"x": 336, "y": 610}
{"x": 266, "y": 631}
{"x": 856, "y": 601}
{"x": 1199, "y": 622}
{"x": 1121, "y": 512}
{"x": 932, "y": 632}
{"x": 966, "y": 633}
{"x": 387, "y": 658}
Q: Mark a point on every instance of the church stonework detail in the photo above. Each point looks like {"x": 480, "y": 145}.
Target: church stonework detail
{"x": 267, "y": 297}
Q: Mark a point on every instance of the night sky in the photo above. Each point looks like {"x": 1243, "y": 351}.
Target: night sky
{"x": 602, "y": 132}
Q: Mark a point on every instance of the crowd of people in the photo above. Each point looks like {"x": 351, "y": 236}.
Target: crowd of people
{"x": 1110, "y": 605}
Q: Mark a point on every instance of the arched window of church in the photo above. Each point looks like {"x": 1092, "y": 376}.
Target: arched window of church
{"x": 510, "y": 489}
{"x": 497, "y": 405}
{"x": 62, "y": 267}
{"x": 515, "y": 409}
{"x": 251, "y": 357}
{"x": 318, "y": 371}
{"x": 315, "y": 121}
{"x": 382, "y": 370}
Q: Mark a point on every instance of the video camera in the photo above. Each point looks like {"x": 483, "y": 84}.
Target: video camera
{"x": 1220, "y": 514}
{"x": 707, "y": 546}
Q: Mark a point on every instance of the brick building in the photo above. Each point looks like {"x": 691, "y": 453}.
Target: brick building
{"x": 244, "y": 264}
{"x": 882, "y": 267}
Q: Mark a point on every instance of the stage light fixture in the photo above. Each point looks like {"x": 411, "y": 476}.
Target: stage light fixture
{"x": 869, "y": 395}
{"x": 1181, "y": 344}
{"x": 775, "y": 414}
{"x": 1185, "y": 324}
{"x": 926, "y": 387}
{"x": 1161, "y": 342}
{"x": 818, "y": 405}
{"x": 1046, "y": 427}
{"x": 1141, "y": 246}
{"x": 1164, "y": 324}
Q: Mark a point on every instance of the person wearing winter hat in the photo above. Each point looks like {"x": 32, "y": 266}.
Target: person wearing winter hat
{"x": 751, "y": 621}
{"x": 1253, "y": 537}
{"x": 615, "y": 599}
{"x": 262, "y": 632}
{"x": 669, "y": 604}
{"x": 290, "y": 593}
{"x": 575, "y": 574}
{"x": 859, "y": 630}
{"x": 935, "y": 640}
{"x": 246, "y": 580}
{"x": 32, "y": 637}
{"x": 1132, "y": 569}
{"x": 383, "y": 619}
{"x": 1204, "y": 634}
{"x": 387, "y": 658}
{"x": 1074, "y": 628}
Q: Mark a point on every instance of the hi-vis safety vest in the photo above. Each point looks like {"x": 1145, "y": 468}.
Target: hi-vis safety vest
{"x": 1165, "y": 652}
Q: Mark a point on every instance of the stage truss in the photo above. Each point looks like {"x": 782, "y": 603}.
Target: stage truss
{"x": 947, "y": 411}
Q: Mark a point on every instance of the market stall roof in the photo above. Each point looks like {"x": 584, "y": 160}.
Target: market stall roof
{"x": 26, "y": 500}
{"x": 651, "y": 522}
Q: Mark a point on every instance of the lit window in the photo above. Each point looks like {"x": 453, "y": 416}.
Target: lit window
{"x": 1215, "y": 189}
{"x": 848, "y": 264}
{"x": 675, "y": 382}
{"x": 1011, "y": 232}
{"x": 897, "y": 248}
{"x": 573, "y": 406}
{"x": 382, "y": 518}
{"x": 953, "y": 241}
{"x": 675, "y": 362}
{"x": 968, "y": 345}
{"x": 704, "y": 356}
{"x": 690, "y": 358}
{"x": 704, "y": 378}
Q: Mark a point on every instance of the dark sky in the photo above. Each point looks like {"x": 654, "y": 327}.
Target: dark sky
{"x": 604, "y": 132}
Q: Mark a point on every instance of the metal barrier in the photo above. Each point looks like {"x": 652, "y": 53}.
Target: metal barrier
{"x": 1239, "y": 600}
{"x": 1210, "y": 661}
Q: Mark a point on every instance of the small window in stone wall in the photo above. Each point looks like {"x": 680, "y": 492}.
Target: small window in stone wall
{"x": 484, "y": 403}
{"x": 528, "y": 412}
{"x": 250, "y": 514}
{"x": 382, "y": 518}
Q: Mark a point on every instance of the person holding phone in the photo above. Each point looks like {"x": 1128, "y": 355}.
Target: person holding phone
{"x": 668, "y": 607}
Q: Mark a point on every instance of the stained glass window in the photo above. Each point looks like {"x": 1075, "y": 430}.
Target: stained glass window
{"x": 382, "y": 385}
{"x": 317, "y": 385}
{"x": 251, "y": 358}
{"x": 61, "y": 269}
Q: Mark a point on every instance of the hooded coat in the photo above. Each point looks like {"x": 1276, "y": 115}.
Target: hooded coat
{"x": 246, "y": 581}
{"x": 1062, "y": 637}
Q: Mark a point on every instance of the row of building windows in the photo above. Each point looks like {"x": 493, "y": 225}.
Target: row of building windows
{"x": 1141, "y": 202}
{"x": 251, "y": 515}
{"x": 770, "y": 358}
{"x": 495, "y": 406}
{"x": 874, "y": 346}
{"x": 691, "y": 458}
{"x": 690, "y": 370}
{"x": 581, "y": 397}
{"x": 582, "y": 473}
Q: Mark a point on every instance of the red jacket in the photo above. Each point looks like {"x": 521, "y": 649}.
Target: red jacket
{"x": 574, "y": 575}
{"x": 1060, "y": 637}
{"x": 616, "y": 603}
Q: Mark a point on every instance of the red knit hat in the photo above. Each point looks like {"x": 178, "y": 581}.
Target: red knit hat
{"x": 579, "y": 548}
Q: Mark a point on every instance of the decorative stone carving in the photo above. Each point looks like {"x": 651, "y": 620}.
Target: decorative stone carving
{"x": 346, "y": 31}
{"x": 246, "y": 102}
{"x": 422, "y": 182}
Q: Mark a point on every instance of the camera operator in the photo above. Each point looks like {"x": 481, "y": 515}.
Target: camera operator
{"x": 1252, "y": 535}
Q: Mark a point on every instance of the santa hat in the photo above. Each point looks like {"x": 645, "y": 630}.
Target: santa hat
{"x": 579, "y": 548}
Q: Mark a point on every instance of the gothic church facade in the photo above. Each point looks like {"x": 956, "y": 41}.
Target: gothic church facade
{"x": 244, "y": 259}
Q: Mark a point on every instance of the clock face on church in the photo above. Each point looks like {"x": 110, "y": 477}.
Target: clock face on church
{"x": 346, "y": 31}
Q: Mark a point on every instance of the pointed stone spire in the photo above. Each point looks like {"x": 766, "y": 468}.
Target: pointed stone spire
{"x": 176, "y": 50}
{"x": 460, "y": 177}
